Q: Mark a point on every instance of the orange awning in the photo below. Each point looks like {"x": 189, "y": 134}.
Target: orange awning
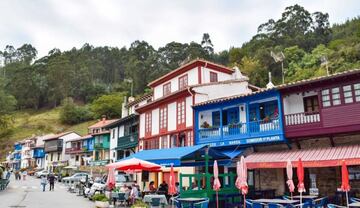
{"x": 315, "y": 157}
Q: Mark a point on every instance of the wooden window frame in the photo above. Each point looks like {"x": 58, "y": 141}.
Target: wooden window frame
{"x": 152, "y": 143}
{"x": 213, "y": 77}
{"x": 313, "y": 97}
{"x": 163, "y": 118}
{"x": 181, "y": 114}
{"x": 148, "y": 123}
{"x": 167, "y": 89}
{"x": 183, "y": 82}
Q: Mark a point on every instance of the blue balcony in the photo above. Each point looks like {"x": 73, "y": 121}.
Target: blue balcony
{"x": 17, "y": 156}
{"x": 39, "y": 153}
{"x": 17, "y": 147}
{"x": 241, "y": 121}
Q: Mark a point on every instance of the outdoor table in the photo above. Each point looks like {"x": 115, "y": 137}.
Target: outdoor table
{"x": 148, "y": 198}
{"x": 355, "y": 204}
{"x": 275, "y": 201}
{"x": 305, "y": 197}
{"x": 190, "y": 201}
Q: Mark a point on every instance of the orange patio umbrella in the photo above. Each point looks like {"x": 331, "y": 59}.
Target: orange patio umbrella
{"x": 300, "y": 175}
{"x": 345, "y": 186}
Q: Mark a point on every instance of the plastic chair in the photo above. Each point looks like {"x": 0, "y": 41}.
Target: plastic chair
{"x": 155, "y": 202}
{"x": 258, "y": 205}
{"x": 306, "y": 204}
{"x": 248, "y": 203}
{"x": 320, "y": 203}
{"x": 202, "y": 204}
{"x": 335, "y": 206}
{"x": 354, "y": 199}
{"x": 271, "y": 205}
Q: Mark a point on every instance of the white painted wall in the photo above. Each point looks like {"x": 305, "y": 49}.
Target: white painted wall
{"x": 294, "y": 103}
{"x": 142, "y": 125}
{"x": 172, "y": 116}
{"x": 155, "y": 121}
{"x": 65, "y": 139}
{"x": 205, "y": 75}
{"x": 113, "y": 138}
{"x": 192, "y": 80}
{"x": 209, "y": 92}
{"x": 188, "y": 111}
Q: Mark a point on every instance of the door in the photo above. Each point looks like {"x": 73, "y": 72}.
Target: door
{"x": 233, "y": 115}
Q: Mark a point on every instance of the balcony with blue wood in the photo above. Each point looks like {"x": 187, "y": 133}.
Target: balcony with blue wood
{"x": 17, "y": 147}
{"x": 39, "y": 153}
{"x": 243, "y": 120}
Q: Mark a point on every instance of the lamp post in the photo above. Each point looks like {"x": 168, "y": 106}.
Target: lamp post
{"x": 132, "y": 85}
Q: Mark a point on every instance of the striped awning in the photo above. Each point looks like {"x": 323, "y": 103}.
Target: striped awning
{"x": 314, "y": 157}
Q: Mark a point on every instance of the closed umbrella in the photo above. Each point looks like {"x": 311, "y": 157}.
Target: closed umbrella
{"x": 241, "y": 180}
{"x": 300, "y": 175}
{"x": 345, "y": 186}
{"x": 289, "y": 173}
{"x": 172, "y": 187}
{"x": 110, "y": 182}
{"x": 217, "y": 183}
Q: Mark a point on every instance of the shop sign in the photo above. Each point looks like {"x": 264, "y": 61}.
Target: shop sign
{"x": 244, "y": 141}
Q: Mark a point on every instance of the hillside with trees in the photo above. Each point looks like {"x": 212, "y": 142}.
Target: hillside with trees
{"x": 89, "y": 82}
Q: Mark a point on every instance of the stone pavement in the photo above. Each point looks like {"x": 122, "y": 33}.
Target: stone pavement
{"x": 28, "y": 194}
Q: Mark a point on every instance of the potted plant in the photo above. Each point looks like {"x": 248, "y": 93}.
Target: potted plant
{"x": 139, "y": 204}
{"x": 101, "y": 201}
{"x": 205, "y": 125}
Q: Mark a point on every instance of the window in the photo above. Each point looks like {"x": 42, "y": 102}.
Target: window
{"x": 51, "y": 157}
{"x": 163, "y": 118}
{"x": 335, "y": 96}
{"x": 152, "y": 144}
{"x": 183, "y": 82}
{"x": 325, "y": 95}
{"x": 77, "y": 158}
{"x": 348, "y": 96}
{"x": 311, "y": 104}
{"x": 213, "y": 77}
{"x": 216, "y": 118}
{"x": 148, "y": 124}
{"x": 357, "y": 92}
{"x": 113, "y": 133}
{"x": 164, "y": 142}
{"x": 166, "y": 89}
{"x": 180, "y": 112}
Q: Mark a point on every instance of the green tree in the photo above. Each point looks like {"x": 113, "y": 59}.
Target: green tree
{"x": 107, "y": 105}
{"x": 71, "y": 113}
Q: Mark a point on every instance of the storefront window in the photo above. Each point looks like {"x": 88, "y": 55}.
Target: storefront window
{"x": 357, "y": 92}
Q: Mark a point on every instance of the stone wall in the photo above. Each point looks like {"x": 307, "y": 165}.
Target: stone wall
{"x": 270, "y": 179}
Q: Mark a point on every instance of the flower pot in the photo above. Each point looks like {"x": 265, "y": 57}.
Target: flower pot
{"x": 101, "y": 204}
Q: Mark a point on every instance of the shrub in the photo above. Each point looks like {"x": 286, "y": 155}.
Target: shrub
{"x": 100, "y": 197}
{"x": 108, "y": 105}
{"x": 71, "y": 113}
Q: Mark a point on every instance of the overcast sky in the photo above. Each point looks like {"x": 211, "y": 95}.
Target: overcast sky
{"x": 71, "y": 23}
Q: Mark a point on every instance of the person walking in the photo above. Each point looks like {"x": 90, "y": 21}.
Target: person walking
{"x": 51, "y": 181}
{"x": 24, "y": 173}
{"x": 43, "y": 182}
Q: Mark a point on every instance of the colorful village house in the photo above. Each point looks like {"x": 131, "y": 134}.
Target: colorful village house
{"x": 166, "y": 123}
{"x": 79, "y": 149}
{"x": 55, "y": 157}
{"x": 14, "y": 158}
{"x": 231, "y": 125}
{"x": 124, "y": 132}
{"x": 322, "y": 121}
{"x": 38, "y": 152}
{"x": 101, "y": 138}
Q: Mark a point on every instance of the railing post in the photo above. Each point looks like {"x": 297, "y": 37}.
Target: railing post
{"x": 221, "y": 124}
{"x": 247, "y": 113}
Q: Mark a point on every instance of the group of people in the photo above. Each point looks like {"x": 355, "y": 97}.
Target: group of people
{"x": 131, "y": 192}
{"x": 44, "y": 181}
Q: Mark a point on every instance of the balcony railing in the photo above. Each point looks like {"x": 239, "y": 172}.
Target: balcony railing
{"x": 73, "y": 150}
{"x": 128, "y": 141}
{"x": 241, "y": 129}
{"x": 302, "y": 118}
{"x": 101, "y": 145}
{"x": 53, "y": 148}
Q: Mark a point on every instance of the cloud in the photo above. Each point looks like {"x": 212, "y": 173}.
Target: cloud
{"x": 67, "y": 23}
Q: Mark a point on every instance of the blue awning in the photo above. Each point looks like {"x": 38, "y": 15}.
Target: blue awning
{"x": 175, "y": 156}
{"x": 232, "y": 153}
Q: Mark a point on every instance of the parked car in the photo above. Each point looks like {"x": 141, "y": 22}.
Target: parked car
{"x": 41, "y": 173}
{"x": 123, "y": 179}
{"x": 76, "y": 177}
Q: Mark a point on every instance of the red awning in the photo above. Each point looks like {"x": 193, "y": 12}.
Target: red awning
{"x": 315, "y": 157}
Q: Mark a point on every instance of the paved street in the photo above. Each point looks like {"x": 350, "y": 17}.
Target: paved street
{"x": 28, "y": 194}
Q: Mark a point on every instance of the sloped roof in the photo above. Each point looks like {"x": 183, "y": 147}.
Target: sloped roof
{"x": 102, "y": 123}
{"x": 56, "y": 136}
{"x": 140, "y": 99}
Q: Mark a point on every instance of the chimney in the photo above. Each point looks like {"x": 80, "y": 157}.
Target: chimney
{"x": 103, "y": 119}
{"x": 270, "y": 84}
{"x": 124, "y": 110}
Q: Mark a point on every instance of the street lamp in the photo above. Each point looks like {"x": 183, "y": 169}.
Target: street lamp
{"x": 279, "y": 57}
{"x": 132, "y": 85}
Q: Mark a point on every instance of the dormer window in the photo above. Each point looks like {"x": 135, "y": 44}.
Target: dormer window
{"x": 167, "y": 89}
{"x": 183, "y": 82}
{"x": 213, "y": 77}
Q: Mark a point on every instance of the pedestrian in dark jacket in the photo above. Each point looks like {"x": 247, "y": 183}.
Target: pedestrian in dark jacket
{"x": 51, "y": 179}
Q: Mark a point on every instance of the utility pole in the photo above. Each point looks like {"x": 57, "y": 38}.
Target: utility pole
{"x": 279, "y": 57}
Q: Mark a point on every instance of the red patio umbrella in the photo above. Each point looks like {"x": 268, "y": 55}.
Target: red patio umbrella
{"x": 345, "y": 186}
{"x": 300, "y": 175}
{"x": 110, "y": 181}
{"x": 241, "y": 180}
{"x": 217, "y": 183}
{"x": 289, "y": 173}
{"x": 172, "y": 187}
{"x": 134, "y": 164}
